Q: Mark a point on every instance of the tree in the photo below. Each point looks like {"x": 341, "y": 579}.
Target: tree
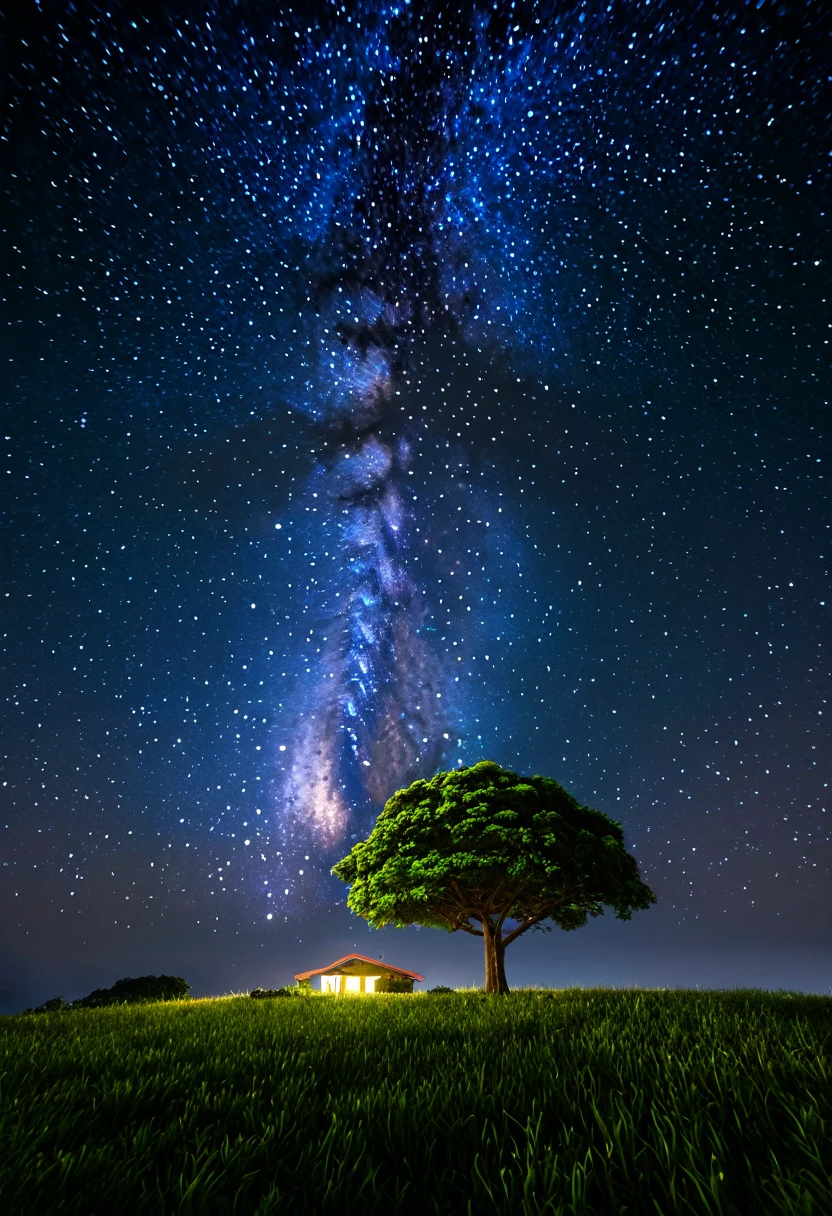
{"x": 483, "y": 847}
{"x": 57, "y": 1004}
{"x": 137, "y": 991}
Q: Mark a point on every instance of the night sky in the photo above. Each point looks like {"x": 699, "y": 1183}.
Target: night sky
{"x": 390, "y": 386}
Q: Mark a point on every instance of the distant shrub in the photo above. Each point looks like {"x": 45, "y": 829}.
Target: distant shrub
{"x": 57, "y": 1003}
{"x": 97, "y": 999}
{"x": 144, "y": 988}
{"x": 300, "y": 990}
{"x": 439, "y": 990}
{"x": 394, "y": 984}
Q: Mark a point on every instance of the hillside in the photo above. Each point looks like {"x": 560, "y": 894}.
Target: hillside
{"x": 576, "y": 1101}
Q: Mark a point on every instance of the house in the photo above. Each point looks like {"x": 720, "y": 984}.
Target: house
{"x": 357, "y": 973}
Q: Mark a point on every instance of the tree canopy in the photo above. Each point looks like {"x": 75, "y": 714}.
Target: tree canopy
{"x": 493, "y": 854}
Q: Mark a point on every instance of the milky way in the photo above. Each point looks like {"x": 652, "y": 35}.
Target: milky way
{"x": 394, "y": 385}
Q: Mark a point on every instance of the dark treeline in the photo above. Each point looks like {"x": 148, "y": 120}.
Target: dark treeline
{"x": 123, "y": 992}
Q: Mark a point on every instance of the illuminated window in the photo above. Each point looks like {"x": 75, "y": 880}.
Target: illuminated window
{"x": 370, "y": 982}
{"x": 330, "y": 983}
{"x": 353, "y": 983}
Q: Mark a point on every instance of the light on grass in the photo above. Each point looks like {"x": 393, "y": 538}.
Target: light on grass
{"x": 589, "y": 1104}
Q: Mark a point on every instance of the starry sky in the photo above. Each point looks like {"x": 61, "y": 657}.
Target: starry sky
{"x": 389, "y": 386}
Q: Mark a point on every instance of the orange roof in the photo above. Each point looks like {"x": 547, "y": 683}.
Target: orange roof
{"x": 362, "y": 958}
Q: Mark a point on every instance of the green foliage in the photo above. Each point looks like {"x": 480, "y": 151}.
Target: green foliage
{"x": 136, "y": 991}
{"x": 393, "y": 984}
{"x": 476, "y": 839}
{"x": 439, "y": 990}
{"x": 571, "y": 1103}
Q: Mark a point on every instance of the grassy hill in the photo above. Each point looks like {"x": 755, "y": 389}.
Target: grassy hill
{"x": 576, "y": 1101}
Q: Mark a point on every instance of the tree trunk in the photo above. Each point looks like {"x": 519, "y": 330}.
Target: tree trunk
{"x": 490, "y": 958}
{"x": 500, "y": 960}
{"x": 495, "y": 970}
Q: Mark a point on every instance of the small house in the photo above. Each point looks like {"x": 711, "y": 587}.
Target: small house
{"x": 357, "y": 973}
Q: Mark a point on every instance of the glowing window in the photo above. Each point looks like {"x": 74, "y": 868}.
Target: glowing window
{"x": 330, "y": 983}
{"x": 370, "y": 982}
{"x": 353, "y": 983}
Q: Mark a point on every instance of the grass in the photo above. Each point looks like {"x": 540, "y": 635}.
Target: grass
{"x": 579, "y": 1102}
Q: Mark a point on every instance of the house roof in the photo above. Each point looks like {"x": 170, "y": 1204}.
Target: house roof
{"x": 362, "y": 958}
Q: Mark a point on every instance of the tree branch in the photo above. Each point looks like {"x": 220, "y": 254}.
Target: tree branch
{"x": 501, "y": 918}
{"x": 514, "y": 898}
{"x": 464, "y": 908}
{"x": 470, "y": 929}
{"x": 492, "y": 897}
{"x": 527, "y": 923}
{"x": 458, "y": 893}
{"x": 458, "y": 921}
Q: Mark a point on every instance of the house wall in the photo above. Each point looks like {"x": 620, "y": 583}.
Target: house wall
{"x": 361, "y": 970}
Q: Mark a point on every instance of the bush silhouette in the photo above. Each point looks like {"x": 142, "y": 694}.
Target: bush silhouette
{"x": 393, "y": 984}
{"x": 259, "y": 994}
{"x": 137, "y": 991}
{"x": 54, "y": 1005}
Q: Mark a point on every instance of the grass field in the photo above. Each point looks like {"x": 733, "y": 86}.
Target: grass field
{"x": 578, "y": 1101}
